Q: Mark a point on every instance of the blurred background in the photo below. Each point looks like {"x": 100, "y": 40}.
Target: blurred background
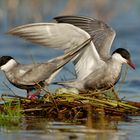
{"x": 122, "y": 15}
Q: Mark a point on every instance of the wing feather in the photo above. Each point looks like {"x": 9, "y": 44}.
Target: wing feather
{"x": 53, "y": 35}
{"x": 102, "y": 34}
{"x": 63, "y": 36}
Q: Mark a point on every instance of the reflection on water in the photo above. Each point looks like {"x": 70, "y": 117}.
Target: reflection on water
{"x": 41, "y": 128}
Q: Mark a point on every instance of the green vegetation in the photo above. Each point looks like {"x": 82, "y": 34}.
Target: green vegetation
{"x": 10, "y": 113}
{"x": 66, "y": 105}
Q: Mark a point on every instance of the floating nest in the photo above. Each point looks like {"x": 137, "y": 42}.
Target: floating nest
{"x": 65, "y": 105}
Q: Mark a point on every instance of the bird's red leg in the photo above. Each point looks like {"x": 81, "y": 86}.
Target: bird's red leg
{"x": 31, "y": 95}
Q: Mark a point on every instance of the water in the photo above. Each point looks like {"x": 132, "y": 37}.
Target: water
{"x": 125, "y": 21}
{"x": 41, "y": 129}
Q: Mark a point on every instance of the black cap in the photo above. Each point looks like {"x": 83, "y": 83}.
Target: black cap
{"x": 123, "y": 52}
{"x": 4, "y": 60}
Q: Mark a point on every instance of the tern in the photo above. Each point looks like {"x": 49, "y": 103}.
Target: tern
{"x": 32, "y": 76}
{"x": 95, "y": 67}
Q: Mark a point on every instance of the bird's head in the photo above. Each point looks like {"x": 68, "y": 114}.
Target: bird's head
{"x": 6, "y": 63}
{"x": 123, "y": 56}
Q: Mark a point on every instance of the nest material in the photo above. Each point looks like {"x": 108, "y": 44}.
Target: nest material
{"x": 60, "y": 105}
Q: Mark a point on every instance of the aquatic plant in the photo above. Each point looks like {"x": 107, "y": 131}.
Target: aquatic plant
{"x": 10, "y": 112}
{"x": 63, "y": 104}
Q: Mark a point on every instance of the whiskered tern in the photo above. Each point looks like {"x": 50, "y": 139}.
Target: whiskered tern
{"x": 95, "y": 67}
{"x": 30, "y": 76}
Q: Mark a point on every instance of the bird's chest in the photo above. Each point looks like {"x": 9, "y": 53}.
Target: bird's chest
{"x": 14, "y": 75}
{"x": 104, "y": 78}
{"x": 10, "y": 76}
{"x": 108, "y": 77}
{"x": 112, "y": 74}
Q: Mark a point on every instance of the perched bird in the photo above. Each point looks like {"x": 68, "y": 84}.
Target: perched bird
{"x": 95, "y": 67}
{"x": 30, "y": 76}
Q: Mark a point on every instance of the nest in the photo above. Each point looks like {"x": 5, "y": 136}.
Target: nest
{"x": 63, "y": 105}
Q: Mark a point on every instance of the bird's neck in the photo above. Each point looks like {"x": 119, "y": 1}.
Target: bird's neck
{"x": 115, "y": 65}
{"x": 9, "y": 65}
{"x": 116, "y": 57}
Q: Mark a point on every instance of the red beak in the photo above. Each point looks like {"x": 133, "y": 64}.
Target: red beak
{"x": 131, "y": 64}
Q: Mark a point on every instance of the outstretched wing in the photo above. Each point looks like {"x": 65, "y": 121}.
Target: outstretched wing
{"x": 102, "y": 34}
{"x": 53, "y": 35}
{"x": 63, "y": 36}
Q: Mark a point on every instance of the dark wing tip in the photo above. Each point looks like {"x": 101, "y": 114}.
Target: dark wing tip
{"x": 102, "y": 34}
{"x": 71, "y": 17}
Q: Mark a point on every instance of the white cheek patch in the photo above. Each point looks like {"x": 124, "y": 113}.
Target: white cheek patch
{"x": 10, "y": 64}
{"x": 119, "y": 58}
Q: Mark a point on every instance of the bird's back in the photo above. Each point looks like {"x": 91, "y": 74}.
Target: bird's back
{"x": 28, "y": 74}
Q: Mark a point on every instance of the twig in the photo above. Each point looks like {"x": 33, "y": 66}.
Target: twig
{"x": 123, "y": 78}
{"x": 49, "y": 94}
{"x": 15, "y": 96}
